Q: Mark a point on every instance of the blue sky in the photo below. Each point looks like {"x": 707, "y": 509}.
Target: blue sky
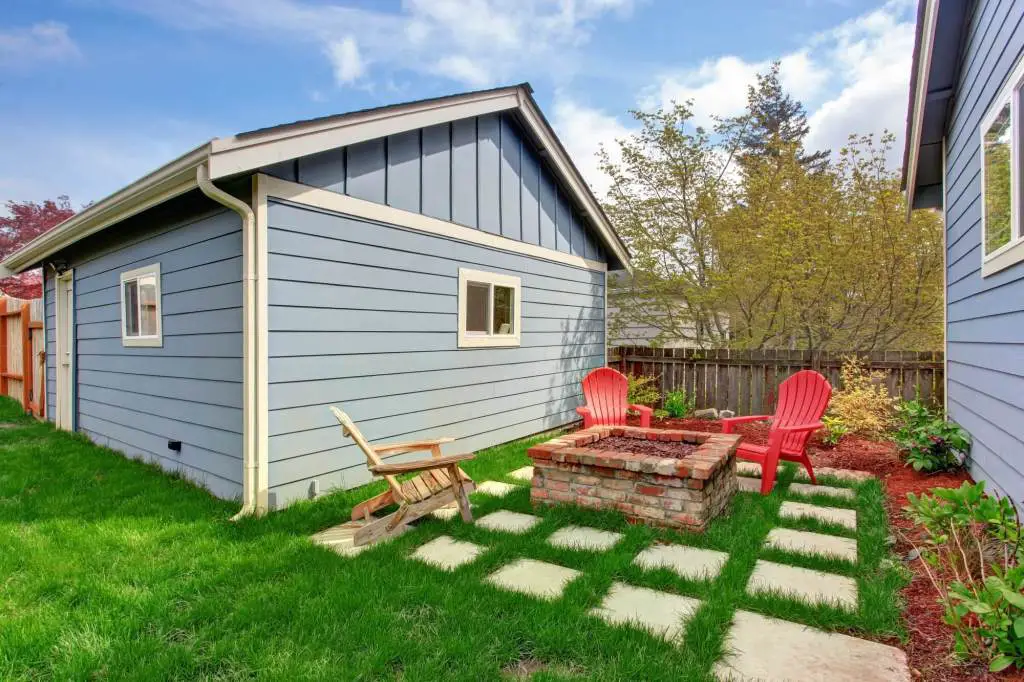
{"x": 94, "y": 93}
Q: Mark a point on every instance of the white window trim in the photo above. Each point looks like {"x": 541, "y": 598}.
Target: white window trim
{"x": 1013, "y": 251}
{"x": 153, "y": 341}
{"x": 471, "y": 340}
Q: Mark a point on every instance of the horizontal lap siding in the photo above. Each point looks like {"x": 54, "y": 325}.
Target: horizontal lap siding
{"x": 50, "y": 321}
{"x": 985, "y": 316}
{"x": 136, "y": 399}
{"x": 364, "y": 316}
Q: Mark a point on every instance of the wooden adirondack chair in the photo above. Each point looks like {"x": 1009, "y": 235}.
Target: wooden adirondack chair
{"x": 439, "y": 482}
{"x": 605, "y": 391}
{"x": 803, "y": 399}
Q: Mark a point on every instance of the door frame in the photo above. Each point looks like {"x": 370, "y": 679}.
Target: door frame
{"x": 64, "y": 415}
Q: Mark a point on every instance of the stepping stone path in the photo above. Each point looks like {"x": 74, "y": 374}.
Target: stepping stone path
{"x": 830, "y": 490}
{"x": 660, "y": 613}
{"x": 536, "y": 578}
{"x": 796, "y": 510}
{"x": 803, "y": 584}
{"x": 748, "y": 469}
{"x": 525, "y": 474}
{"x": 581, "y": 537}
{"x": 508, "y": 521}
{"x": 688, "y": 562}
{"x": 819, "y": 544}
{"x": 754, "y": 469}
{"x": 746, "y": 484}
{"x": 762, "y": 648}
{"x": 447, "y": 553}
{"x": 495, "y": 488}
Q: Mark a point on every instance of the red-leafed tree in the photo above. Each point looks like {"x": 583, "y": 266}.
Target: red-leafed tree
{"x": 25, "y": 221}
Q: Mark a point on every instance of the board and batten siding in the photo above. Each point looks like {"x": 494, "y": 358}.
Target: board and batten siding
{"x": 364, "y": 316}
{"x": 136, "y": 399}
{"x": 478, "y": 172}
{"x": 984, "y": 316}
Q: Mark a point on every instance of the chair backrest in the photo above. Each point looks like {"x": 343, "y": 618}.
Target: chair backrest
{"x": 349, "y": 429}
{"x": 605, "y": 391}
{"x": 803, "y": 399}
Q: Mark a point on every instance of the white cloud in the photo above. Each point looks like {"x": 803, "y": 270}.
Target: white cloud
{"x": 584, "y": 130}
{"x": 346, "y": 60}
{"x": 462, "y": 69}
{"x": 47, "y": 41}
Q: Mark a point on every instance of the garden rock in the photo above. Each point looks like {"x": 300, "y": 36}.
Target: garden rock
{"x": 912, "y": 554}
{"x": 726, "y": 414}
{"x": 707, "y": 413}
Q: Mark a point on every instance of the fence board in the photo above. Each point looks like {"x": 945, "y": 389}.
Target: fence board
{"x": 22, "y": 353}
{"x": 748, "y": 381}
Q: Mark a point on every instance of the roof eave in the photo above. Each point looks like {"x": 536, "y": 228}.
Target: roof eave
{"x": 923, "y": 44}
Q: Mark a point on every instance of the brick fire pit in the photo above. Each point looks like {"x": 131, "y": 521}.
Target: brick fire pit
{"x": 685, "y": 489}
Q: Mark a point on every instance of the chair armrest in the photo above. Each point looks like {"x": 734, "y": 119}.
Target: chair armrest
{"x": 642, "y": 409}
{"x": 420, "y": 464}
{"x": 797, "y": 428}
{"x": 411, "y": 446}
{"x": 584, "y": 412}
{"x": 730, "y": 422}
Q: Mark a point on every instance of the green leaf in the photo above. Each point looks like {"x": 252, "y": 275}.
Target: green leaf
{"x": 1018, "y": 627}
{"x": 1000, "y": 663}
{"x": 1013, "y": 597}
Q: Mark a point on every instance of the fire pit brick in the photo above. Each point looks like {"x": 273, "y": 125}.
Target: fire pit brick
{"x": 682, "y": 493}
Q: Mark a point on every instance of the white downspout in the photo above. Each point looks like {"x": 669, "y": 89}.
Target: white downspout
{"x": 250, "y": 504}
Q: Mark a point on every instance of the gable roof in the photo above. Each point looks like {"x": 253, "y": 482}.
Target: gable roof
{"x": 937, "y": 46}
{"x": 249, "y": 151}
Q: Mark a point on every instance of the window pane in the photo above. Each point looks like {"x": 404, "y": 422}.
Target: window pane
{"x": 504, "y": 307}
{"x": 476, "y": 307}
{"x": 131, "y": 308}
{"x": 996, "y": 155}
{"x": 147, "y": 304}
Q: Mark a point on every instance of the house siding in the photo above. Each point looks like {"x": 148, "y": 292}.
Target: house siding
{"x": 136, "y": 399}
{"x": 985, "y": 316}
{"x": 364, "y": 316}
{"x": 479, "y": 172}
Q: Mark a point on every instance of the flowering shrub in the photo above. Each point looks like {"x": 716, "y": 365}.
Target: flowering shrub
{"x": 835, "y": 429}
{"x": 643, "y": 390}
{"x": 929, "y": 442}
{"x": 862, "y": 404}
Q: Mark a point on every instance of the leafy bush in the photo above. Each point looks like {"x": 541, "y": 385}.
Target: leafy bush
{"x": 929, "y": 442}
{"x": 835, "y": 429}
{"x": 678, "y": 404}
{"x": 660, "y": 414}
{"x": 643, "y": 390}
{"x": 863, "y": 403}
{"x": 975, "y": 561}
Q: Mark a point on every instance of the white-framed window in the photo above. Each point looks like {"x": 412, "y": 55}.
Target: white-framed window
{"x": 140, "y": 307}
{"x": 1002, "y": 232}
{"x": 490, "y": 309}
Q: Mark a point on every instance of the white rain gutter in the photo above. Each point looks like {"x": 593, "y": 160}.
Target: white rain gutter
{"x": 250, "y": 503}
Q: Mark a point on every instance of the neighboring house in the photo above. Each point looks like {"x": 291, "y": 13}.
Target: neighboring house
{"x": 964, "y": 157}
{"x": 434, "y": 268}
{"x": 625, "y": 329}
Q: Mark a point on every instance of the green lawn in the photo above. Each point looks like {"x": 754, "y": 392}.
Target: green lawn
{"x": 110, "y": 569}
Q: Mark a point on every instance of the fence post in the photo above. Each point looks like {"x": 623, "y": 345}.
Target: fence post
{"x": 26, "y": 358}
{"x": 3, "y": 346}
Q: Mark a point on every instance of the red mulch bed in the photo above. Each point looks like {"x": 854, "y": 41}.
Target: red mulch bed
{"x": 640, "y": 446}
{"x": 931, "y": 641}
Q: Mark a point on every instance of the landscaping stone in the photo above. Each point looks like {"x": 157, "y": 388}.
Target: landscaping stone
{"x": 707, "y": 413}
{"x": 524, "y": 474}
{"x": 660, "y": 613}
{"x": 830, "y": 490}
{"x": 582, "y": 537}
{"x": 508, "y": 521}
{"x": 762, "y": 648}
{"x": 340, "y": 538}
{"x": 803, "y": 542}
{"x": 495, "y": 488}
{"x": 840, "y": 474}
{"x": 803, "y": 584}
{"x": 447, "y": 552}
{"x": 536, "y": 578}
{"x": 689, "y": 562}
{"x": 842, "y": 517}
{"x": 746, "y": 484}
{"x": 726, "y": 414}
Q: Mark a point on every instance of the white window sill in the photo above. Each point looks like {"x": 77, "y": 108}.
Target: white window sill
{"x": 142, "y": 342}
{"x": 484, "y": 341}
{"x": 1002, "y": 258}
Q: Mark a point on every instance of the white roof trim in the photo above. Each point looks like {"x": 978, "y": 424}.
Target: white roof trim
{"x": 248, "y": 152}
{"x": 924, "y": 63}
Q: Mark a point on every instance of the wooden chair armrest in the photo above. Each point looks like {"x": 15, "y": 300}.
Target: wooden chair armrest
{"x": 420, "y": 464}
{"x": 411, "y": 446}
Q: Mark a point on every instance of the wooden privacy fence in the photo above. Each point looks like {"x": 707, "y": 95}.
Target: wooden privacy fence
{"x": 22, "y": 353}
{"x": 747, "y": 381}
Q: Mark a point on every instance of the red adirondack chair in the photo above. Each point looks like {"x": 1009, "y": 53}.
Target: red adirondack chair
{"x": 803, "y": 399}
{"x": 605, "y": 391}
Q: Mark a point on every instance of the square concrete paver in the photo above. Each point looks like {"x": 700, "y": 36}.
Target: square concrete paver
{"x": 447, "y": 552}
{"x": 830, "y": 490}
{"x": 508, "y": 521}
{"x": 536, "y": 578}
{"x": 582, "y": 537}
{"x": 449, "y": 511}
{"x": 688, "y": 562}
{"x": 762, "y": 648}
{"x": 818, "y": 544}
{"x": 524, "y": 474}
{"x": 748, "y": 469}
{"x": 495, "y": 488}
{"x": 748, "y": 484}
{"x": 804, "y": 584}
{"x": 843, "y": 517}
{"x": 841, "y": 474}
{"x": 660, "y": 613}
